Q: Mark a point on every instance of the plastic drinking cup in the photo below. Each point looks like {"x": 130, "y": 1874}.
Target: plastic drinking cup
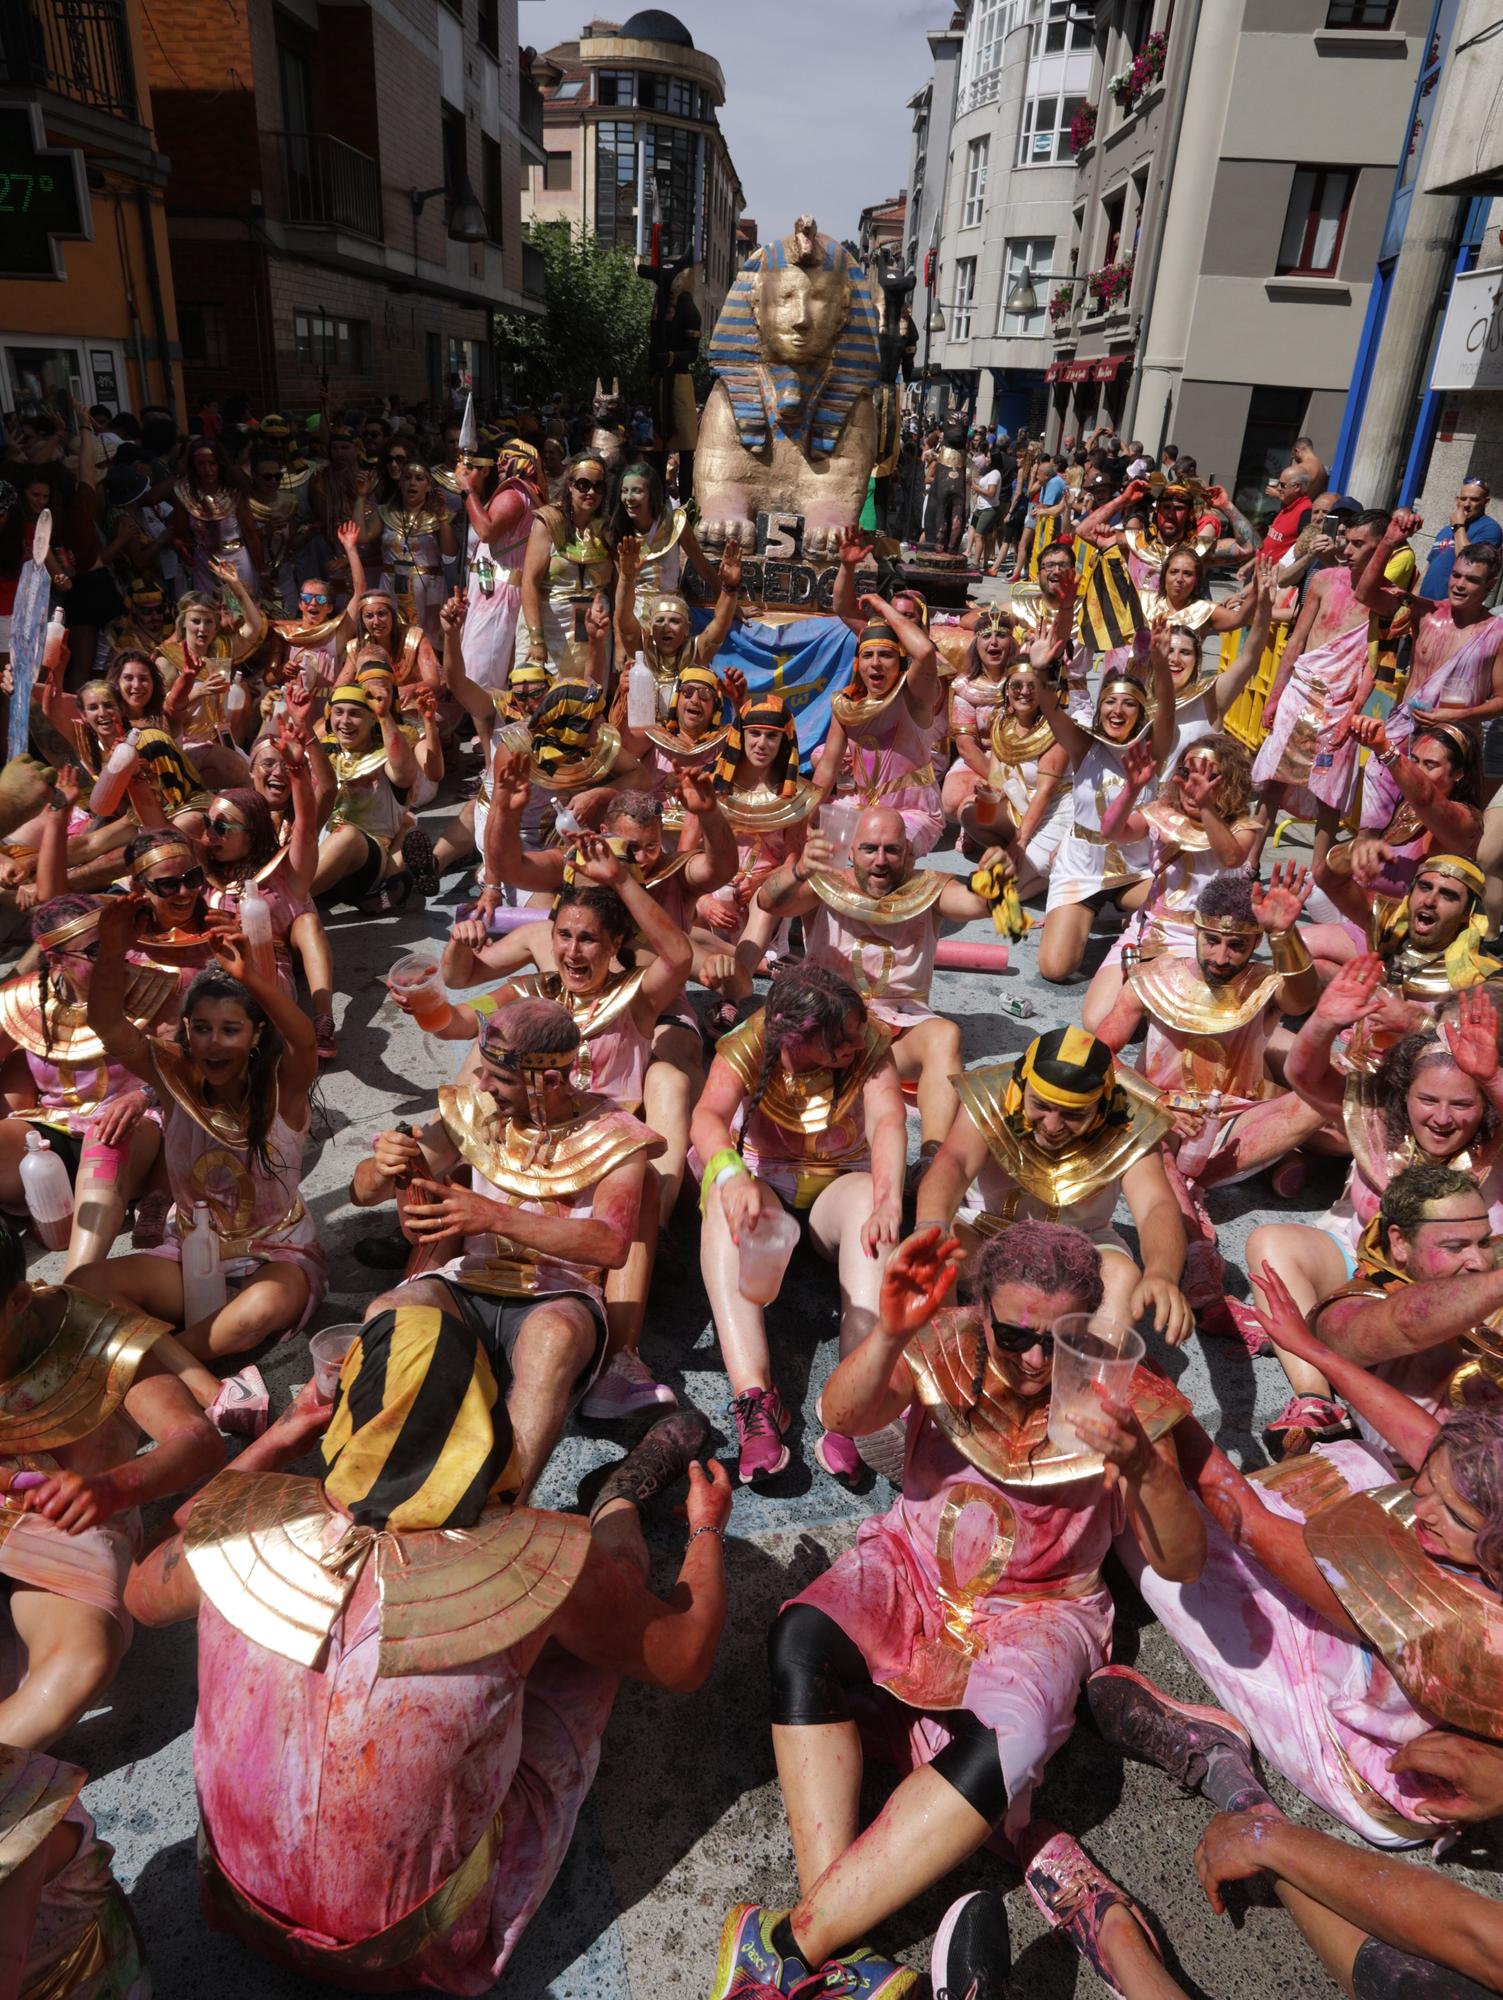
{"x": 988, "y": 803}
{"x": 837, "y": 822}
{"x": 416, "y": 977}
{"x": 1094, "y": 1359}
{"x": 328, "y": 1350}
{"x": 765, "y": 1252}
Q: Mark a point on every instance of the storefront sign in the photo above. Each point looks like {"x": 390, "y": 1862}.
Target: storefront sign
{"x": 44, "y": 196}
{"x": 1470, "y": 351}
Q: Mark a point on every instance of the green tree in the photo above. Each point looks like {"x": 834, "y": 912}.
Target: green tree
{"x": 595, "y": 323}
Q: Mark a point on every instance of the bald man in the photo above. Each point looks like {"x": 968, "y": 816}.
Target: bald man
{"x": 877, "y": 923}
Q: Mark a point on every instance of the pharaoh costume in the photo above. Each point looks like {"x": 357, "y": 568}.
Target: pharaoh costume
{"x": 572, "y": 749}
{"x": 214, "y": 524}
{"x": 1182, "y": 863}
{"x": 83, "y": 1943}
{"x": 375, "y": 1644}
{"x": 1463, "y": 681}
{"x": 761, "y": 814}
{"x": 366, "y": 798}
{"x": 202, "y": 723}
{"x": 888, "y": 758}
{"x": 580, "y": 566}
{"x": 1086, "y": 862}
{"x": 660, "y": 562}
{"x": 1079, "y": 1185}
{"x": 1326, "y": 1710}
{"x": 408, "y": 652}
{"x": 613, "y": 1052}
{"x": 1015, "y": 754}
{"x": 489, "y": 639}
{"x": 1428, "y": 976}
{"x": 670, "y": 751}
{"x": 1146, "y": 547}
{"x": 1301, "y": 748}
{"x": 809, "y": 1127}
{"x": 257, "y": 1208}
{"x": 412, "y": 565}
{"x": 61, "y": 1408}
{"x": 884, "y": 945}
{"x": 980, "y": 1591}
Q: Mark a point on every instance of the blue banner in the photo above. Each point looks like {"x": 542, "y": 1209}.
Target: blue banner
{"x": 806, "y": 662}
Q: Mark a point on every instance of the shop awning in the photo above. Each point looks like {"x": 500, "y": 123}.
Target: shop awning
{"x": 1108, "y": 366}
{"x": 1097, "y": 368}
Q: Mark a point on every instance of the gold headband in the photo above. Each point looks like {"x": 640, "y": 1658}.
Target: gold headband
{"x": 69, "y": 928}
{"x": 1457, "y": 867}
{"x": 1227, "y": 926}
{"x": 529, "y": 1062}
{"x": 160, "y": 850}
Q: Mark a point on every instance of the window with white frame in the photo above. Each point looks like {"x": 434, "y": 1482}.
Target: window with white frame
{"x": 992, "y": 20}
{"x": 1044, "y": 130}
{"x": 1069, "y": 25}
{"x": 965, "y": 294}
{"x": 1035, "y": 255}
{"x": 976, "y": 156}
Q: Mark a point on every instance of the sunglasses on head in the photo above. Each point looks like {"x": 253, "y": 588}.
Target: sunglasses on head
{"x": 222, "y": 826}
{"x": 173, "y": 885}
{"x": 505, "y": 1061}
{"x": 1015, "y": 1339}
{"x": 588, "y": 485}
{"x": 90, "y": 951}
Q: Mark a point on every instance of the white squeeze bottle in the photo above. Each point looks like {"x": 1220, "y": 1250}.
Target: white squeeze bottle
{"x": 563, "y": 818}
{"x": 54, "y": 642}
{"x": 204, "y": 1289}
{"x": 641, "y": 694}
{"x": 235, "y": 702}
{"x": 113, "y": 781}
{"x": 49, "y": 1197}
{"x": 255, "y": 921}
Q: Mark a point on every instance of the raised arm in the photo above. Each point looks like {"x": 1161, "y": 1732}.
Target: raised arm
{"x": 1068, "y": 734}
{"x": 1372, "y": 587}
{"x": 401, "y": 758}
{"x": 673, "y": 955}
{"x": 298, "y": 1066}
{"x": 1233, "y": 679}
{"x": 122, "y": 1039}
{"x": 845, "y": 603}
{"x": 1454, "y": 825}
{"x": 628, "y": 569}
{"x": 472, "y": 698}
{"x": 715, "y": 859}
{"x": 1096, "y": 528}
{"x": 710, "y": 641}
{"x": 872, "y": 1386}
{"x": 923, "y": 692}
{"x": 1351, "y": 996}
{"x": 52, "y": 848}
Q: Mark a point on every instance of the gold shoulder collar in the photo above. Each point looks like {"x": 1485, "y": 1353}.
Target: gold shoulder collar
{"x": 912, "y": 898}
{"x": 584, "y": 770}
{"x": 1006, "y": 1435}
{"x": 1174, "y": 992}
{"x": 805, "y": 1104}
{"x": 764, "y": 811}
{"x": 350, "y": 765}
{"x": 1439, "y": 1635}
{"x": 296, "y": 477}
{"x": 858, "y": 711}
{"x": 280, "y": 1565}
{"x": 681, "y": 751}
{"x": 298, "y": 633}
{"x": 35, "y": 1793}
{"x": 172, "y": 1068}
{"x": 442, "y": 476}
{"x": 594, "y": 1012}
{"x": 1010, "y": 745}
{"x": 1169, "y": 823}
{"x": 74, "y": 1359}
{"x": 1063, "y": 1179}
{"x": 677, "y": 519}
{"x": 565, "y": 1160}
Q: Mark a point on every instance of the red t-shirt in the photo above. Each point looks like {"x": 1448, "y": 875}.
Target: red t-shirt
{"x": 1284, "y": 528}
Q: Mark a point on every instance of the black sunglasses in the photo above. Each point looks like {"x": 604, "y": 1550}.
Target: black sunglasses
{"x": 223, "y": 826}
{"x": 172, "y": 885}
{"x": 588, "y": 485}
{"x": 1015, "y": 1339}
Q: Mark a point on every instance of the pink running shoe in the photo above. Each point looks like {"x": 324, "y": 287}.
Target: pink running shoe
{"x": 760, "y": 1423}
{"x": 840, "y": 1458}
{"x": 242, "y": 1408}
{"x": 1230, "y": 1319}
{"x": 1072, "y": 1895}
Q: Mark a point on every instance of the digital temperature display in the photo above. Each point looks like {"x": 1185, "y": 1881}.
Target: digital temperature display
{"x": 44, "y": 196}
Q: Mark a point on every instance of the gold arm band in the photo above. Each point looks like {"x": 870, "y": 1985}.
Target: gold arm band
{"x": 1289, "y": 953}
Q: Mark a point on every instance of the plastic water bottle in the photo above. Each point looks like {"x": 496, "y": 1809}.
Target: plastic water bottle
{"x": 49, "y": 1196}
{"x": 564, "y": 819}
{"x": 113, "y": 781}
{"x": 54, "y": 644}
{"x": 255, "y": 921}
{"x": 204, "y": 1288}
{"x": 235, "y": 703}
{"x": 641, "y": 694}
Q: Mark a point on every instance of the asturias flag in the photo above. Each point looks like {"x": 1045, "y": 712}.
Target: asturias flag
{"x": 806, "y": 662}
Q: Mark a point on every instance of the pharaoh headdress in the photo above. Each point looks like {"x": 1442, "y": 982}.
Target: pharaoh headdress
{"x": 808, "y": 407}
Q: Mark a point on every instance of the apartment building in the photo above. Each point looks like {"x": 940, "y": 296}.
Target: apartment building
{"x": 632, "y": 142}
{"x": 345, "y": 196}
{"x": 87, "y": 309}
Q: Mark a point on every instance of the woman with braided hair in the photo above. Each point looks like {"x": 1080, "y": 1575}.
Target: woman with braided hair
{"x": 976, "y": 1602}
{"x": 810, "y": 1086}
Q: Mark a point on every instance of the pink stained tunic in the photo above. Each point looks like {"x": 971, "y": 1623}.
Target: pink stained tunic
{"x": 890, "y": 965}
{"x": 1321, "y": 1706}
{"x": 284, "y": 907}
{"x": 81, "y": 1898}
{"x": 71, "y": 1097}
{"x": 1301, "y": 749}
{"x": 889, "y": 763}
{"x": 298, "y": 1770}
{"x": 259, "y": 1215}
{"x": 489, "y": 638}
{"x": 1464, "y": 681}
{"x": 1033, "y": 1632}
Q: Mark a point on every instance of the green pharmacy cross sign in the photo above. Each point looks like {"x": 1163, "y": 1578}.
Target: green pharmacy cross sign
{"x": 44, "y": 196}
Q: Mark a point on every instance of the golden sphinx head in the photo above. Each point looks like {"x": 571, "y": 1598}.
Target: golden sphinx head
{"x": 802, "y": 298}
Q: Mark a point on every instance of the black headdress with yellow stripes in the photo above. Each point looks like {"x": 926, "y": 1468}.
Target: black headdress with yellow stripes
{"x": 1071, "y": 1068}
{"x": 564, "y": 726}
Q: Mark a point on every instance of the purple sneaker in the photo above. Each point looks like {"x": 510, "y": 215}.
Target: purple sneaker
{"x": 623, "y": 1387}
{"x": 760, "y": 1423}
{"x": 750, "y": 1964}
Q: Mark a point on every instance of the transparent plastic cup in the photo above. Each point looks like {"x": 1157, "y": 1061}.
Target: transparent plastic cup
{"x": 988, "y": 805}
{"x": 328, "y": 1350}
{"x": 765, "y": 1253}
{"x": 1094, "y": 1359}
{"x": 837, "y": 822}
{"x": 416, "y": 977}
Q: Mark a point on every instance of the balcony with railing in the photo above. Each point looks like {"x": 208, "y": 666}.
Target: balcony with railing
{"x": 530, "y": 116}
{"x": 77, "y": 49}
{"x": 324, "y": 183}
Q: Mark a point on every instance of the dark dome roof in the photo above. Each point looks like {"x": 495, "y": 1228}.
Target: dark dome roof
{"x": 656, "y": 24}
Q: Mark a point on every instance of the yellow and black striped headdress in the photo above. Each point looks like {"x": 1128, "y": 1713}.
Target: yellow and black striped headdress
{"x": 564, "y": 726}
{"x": 420, "y": 1436}
{"x": 694, "y": 677}
{"x": 762, "y": 711}
{"x": 1068, "y": 1067}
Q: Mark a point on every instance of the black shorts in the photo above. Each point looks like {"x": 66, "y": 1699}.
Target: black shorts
{"x": 357, "y": 885}
{"x": 497, "y": 1324}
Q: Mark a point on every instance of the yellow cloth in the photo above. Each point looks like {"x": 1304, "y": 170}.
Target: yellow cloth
{"x": 1000, "y": 891}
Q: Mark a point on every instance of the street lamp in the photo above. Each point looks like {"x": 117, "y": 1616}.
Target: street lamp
{"x": 936, "y": 320}
{"x": 467, "y": 223}
{"x": 1023, "y": 297}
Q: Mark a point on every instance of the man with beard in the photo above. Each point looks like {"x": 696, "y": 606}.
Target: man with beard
{"x": 1058, "y": 1135}
{"x": 1210, "y": 1020}
{"x": 877, "y": 924}
{"x": 1150, "y": 527}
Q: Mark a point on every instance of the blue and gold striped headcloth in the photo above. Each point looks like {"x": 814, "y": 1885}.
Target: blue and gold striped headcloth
{"x": 812, "y": 413}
